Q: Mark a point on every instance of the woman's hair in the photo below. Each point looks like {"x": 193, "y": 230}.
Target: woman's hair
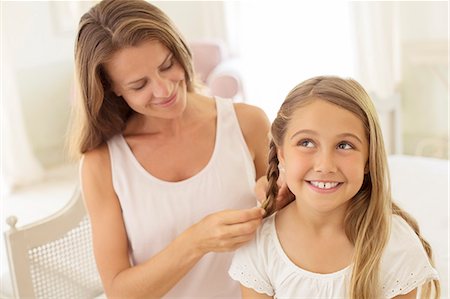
{"x": 107, "y": 27}
{"x": 367, "y": 222}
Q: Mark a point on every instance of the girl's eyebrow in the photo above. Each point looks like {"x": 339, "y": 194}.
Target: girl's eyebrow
{"x": 350, "y": 135}
{"x": 168, "y": 57}
{"x": 311, "y": 132}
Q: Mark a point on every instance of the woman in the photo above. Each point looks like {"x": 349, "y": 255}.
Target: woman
{"x": 167, "y": 173}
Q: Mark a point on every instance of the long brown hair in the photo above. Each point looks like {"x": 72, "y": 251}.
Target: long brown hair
{"x": 107, "y": 27}
{"x": 367, "y": 222}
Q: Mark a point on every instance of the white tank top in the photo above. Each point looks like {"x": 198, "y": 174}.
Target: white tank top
{"x": 156, "y": 211}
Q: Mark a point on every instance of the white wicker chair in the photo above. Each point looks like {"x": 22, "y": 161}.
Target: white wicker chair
{"x": 53, "y": 257}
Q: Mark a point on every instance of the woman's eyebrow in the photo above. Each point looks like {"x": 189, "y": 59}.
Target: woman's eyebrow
{"x": 168, "y": 57}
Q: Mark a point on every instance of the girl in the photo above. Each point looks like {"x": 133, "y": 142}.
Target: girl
{"x": 342, "y": 236}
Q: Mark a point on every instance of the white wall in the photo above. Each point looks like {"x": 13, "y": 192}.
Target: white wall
{"x": 39, "y": 47}
{"x": 424, "y": 50}
{"x": 196, "y": 19}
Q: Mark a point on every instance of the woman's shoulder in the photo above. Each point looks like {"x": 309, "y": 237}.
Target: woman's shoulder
{"x": 95, "y": 162}
{"x": 255, "y": 127}
{"x": 251, "y": 115}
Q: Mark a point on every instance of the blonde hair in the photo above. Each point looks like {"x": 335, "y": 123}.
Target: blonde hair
{"x": 107, "y": 27}
{"x": 367, "y": 222}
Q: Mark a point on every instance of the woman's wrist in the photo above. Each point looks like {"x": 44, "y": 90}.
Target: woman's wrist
{"x": 189, "y": 242}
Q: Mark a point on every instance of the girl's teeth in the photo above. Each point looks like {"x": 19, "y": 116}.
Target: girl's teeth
{"x": 324, "y": 185}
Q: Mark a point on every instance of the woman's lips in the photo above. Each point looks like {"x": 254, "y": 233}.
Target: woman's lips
{"x": 167, "y": 102}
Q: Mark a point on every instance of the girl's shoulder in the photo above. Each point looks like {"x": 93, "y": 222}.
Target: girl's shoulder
{"x": 262, "y": 245}
{"x": 402, "y": 236}
{"x": 404, "y": 263}
{"x": 251, "y": 262}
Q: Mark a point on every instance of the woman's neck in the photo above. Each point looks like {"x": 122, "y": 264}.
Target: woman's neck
{"x": 142, "y": 124}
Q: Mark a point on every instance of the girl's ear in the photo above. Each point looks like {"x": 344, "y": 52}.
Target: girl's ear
{"x": 366, "y": 168}
{"x": 280, "y": 157}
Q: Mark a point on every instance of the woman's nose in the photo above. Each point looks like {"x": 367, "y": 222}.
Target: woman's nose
{"x": 161, "y": 87}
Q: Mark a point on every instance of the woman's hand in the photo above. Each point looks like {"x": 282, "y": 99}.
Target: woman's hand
{"x": 226, "y": 230}
{"x": 284, "y": 196}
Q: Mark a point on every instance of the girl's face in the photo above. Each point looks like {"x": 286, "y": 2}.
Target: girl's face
{"x": 149, "y": 79}
{"x": 324, "y": 154}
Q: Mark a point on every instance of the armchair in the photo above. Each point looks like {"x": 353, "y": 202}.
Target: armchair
{"x": 217, "y": 70}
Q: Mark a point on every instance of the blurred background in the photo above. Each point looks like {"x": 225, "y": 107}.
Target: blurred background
{"x": 398, "y": 50}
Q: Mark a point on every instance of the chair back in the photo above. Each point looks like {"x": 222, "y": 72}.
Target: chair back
{"x": 53, "y": 257}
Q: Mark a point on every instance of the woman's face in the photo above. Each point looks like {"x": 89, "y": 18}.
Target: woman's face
{"x": 324, "y": 153}
{"x": 149, "y": 78}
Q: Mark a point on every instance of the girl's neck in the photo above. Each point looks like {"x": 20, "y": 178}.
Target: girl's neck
{"x": 319, "y": 223}
{"x": 307, "y": 237}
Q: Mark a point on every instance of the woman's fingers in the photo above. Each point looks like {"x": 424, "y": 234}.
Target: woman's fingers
{"x": 227, "y": 230}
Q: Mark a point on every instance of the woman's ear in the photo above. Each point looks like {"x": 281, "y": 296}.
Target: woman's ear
{"x": 366, "y": 168}
{"x": 116, "y": 91}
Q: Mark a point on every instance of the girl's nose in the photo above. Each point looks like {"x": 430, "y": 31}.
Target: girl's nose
{"x": 325, "y": 162}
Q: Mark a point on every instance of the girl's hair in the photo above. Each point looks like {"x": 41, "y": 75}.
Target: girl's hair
{"x": 107, "y": 27}
{"x": 367, "y": 222}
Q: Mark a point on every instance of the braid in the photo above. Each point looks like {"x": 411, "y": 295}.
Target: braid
{"x": 426, "y": 288}
{"x": 272, "y": 176}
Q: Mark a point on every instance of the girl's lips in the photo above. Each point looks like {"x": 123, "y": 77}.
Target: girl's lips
{"x": 324, "y": 187}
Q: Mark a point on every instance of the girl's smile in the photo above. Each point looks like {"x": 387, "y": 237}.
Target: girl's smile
{"x": 324, "y": 186}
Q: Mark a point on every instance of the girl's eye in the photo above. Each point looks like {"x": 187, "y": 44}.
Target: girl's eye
{"x": 306, "y": 143}
{"x": 344, "y": 146}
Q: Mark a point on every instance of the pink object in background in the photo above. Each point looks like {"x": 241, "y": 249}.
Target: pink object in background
{"x": 217, "y": 70}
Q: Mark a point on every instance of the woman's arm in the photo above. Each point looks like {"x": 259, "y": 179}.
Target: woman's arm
{"x": 221, "y": 231}
{"x": 248, "y": 293}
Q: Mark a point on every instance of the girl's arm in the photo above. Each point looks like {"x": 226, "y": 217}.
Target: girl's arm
{"x": 223, "y": 231}
{"x": 248, "y": 293}
{"x": 410, "y": 295}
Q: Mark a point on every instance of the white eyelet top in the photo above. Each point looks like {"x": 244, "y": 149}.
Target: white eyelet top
{"x": 263, "y": 266}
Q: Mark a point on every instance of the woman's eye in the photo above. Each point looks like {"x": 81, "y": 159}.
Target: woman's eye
{"x": 167, "y": 65}
{"x": 139, "y": 87}
{"x": 345, "y": 146}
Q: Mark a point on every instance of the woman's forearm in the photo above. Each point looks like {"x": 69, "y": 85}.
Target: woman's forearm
{"x": 158, "y": 275}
